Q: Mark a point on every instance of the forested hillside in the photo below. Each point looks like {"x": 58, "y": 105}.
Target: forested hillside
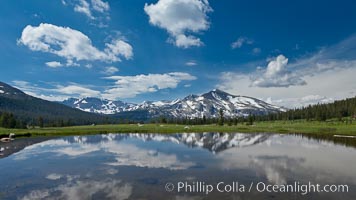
{"x": 18, "y": 109}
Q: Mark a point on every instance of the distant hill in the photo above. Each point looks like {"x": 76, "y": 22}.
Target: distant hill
{"x": 30, "y": 109}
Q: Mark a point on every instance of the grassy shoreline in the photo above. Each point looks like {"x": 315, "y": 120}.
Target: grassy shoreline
{"x": 284, "y": 127}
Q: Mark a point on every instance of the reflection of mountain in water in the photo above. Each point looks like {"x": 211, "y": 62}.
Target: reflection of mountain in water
{"x": 214, "y": 142}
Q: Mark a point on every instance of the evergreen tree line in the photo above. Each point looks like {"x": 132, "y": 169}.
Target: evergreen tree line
{"x": 319, "y": 112}
{"x": 8, "y": 120}
{"x": 220, "y": 120}
{"x": 29, "y": 111}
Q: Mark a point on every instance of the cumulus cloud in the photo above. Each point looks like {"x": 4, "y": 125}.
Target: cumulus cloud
{"x": 77, "y": 90}
{"x": 134, "y": 156}
{"x": 53, "y": 176}
{"x": 180, "y": 18}
{"x": 72, "y": 44}
{"x": 191, "y": 63}
{"x": 300, "y": 101}
{"x": 89, "y": 8}
{"x": 326, "y": 75}
{"x": 124, "y": 154}
{"x": 122, "y": 87}
{"x": 240, "y": 42}
{"x": 277, "y": 168}
{"x": 100, "y": 5}
{"x": 54, "y": 64}
{"x": 110, "y": 70}
{"x": 83, "y": 189}
{"x": 277, "y": 75}
{"x": 84, "y": 8}
{"x": 119, "y": 47}
{"x": 56, "y": 92}
{"x": 130, "y": 86}
{"x": 342, "y": 79}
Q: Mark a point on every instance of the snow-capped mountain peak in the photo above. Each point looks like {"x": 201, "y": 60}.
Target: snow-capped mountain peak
{"x": 96, "y": 105}
{"x": 207, "y": 104}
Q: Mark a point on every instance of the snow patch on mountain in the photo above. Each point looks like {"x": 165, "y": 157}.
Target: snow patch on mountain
{"x": 101, "y": 106}
{"x": 192, "y": 106}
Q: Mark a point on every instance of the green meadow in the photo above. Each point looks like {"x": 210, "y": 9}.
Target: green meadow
{"x": 284, "y": 127}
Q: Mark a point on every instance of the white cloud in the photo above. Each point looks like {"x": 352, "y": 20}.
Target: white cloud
{"x": 53, "y": 176}
{"x": 71, "y": 63}
{"x": 191, "y": 63}
{"x": 186, "y": 41}
{"x": 327, "y": 75}
{"x": 77, "y": 90}
{"x": 240, "y": 42}
{"x": 100, "y": 5}
{"x": 83, "y": 189}
{"x": 119, "y": 47}
{"x": 124, "y": 154}
{"x": 110, "y": 70}
{"x": 277, "y": 75}
{"x": 129, "y": 155}
{"x": 49, "y": 97}
{"x": 123, "y": 87}
{"x": 56, "y": 92}
{"x": 90, "y": 8}
{"x": 72, "y": 44}
{"x": 54, "y": 64}
{"x": 39, "y": 92}
{"x": 332, "y": 84}
{"x": 299, "y": 102}
{"x": 130, "y": 86}
{"x": 180, "y": 18}
{"x": 83, "y": 7}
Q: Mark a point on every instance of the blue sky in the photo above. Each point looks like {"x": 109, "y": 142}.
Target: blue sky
{"x": 287, "y": 53}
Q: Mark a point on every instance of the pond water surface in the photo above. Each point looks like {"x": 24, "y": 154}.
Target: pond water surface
{"x": 180, "y": 166}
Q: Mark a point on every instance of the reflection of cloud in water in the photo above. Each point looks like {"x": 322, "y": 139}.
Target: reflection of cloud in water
{"x": 77, "y": 150}
{"x": 53, "y": 176}
{"x": 80, "y": 145}
{"x": 112, "y": 171}
{"x": 276, "y": 168}
{"x": 125, "y": 154}
{"x": 132, "y": 155}
{"x": 82, "y": 190}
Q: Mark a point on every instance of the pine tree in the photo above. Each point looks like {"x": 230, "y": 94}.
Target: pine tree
{"x": 221, "y": 117}
{"x": 40, "y": 122}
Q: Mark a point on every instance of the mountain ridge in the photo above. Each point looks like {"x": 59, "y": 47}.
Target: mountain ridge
{"x": 191, "y": 106}
{"x": 29, "y": 109}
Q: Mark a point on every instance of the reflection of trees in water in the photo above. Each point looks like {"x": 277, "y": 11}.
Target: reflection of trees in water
{"x": 8, "y": 148}
{"x": 214, "y": 142}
